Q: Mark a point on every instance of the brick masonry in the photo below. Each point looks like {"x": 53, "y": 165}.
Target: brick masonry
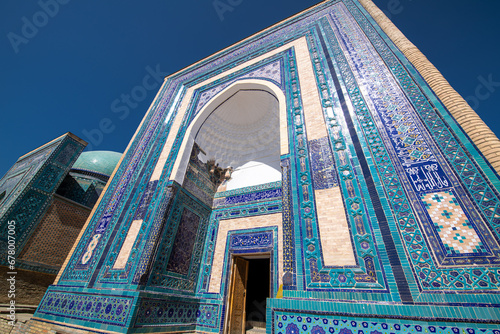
{"x": 334, "y": 232}
{"x": 56, "y": 233}
{"x": 30, "y": 286}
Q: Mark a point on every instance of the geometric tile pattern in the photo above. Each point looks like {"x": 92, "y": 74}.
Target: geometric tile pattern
{"x": 450, "y": 221}
{"x": 429, "y": 275}
{"x": 17, "y": 178}
{"x": 289, "y": 265}
{"x": 198, "y": 181}
{"x": 145, "y": 201}
{"x": 29, "y": 186}
{"x": 157, "y": 312}
{"x": 307, "y": 172}
{"x": 296, "y": 323}
{"x": 184, "y": 242}
{"x": 251, "y": 189}
{"x": 112, "y": 310}
{"x": 225, "y": 221}
{"x": 176, "y": 266}
{"x": 270, "y": 71}
{"x": 323, "y": 164}
{"x": 473, "y": 178}
{"x": 316, "y": 275}
{"x": 367, "y": 274}
{"x": 266, "y": 195}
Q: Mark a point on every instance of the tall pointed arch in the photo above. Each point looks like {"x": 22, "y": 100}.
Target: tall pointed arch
{"x": 230, "y": 108}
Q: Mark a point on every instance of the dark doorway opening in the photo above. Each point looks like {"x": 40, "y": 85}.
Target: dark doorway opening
{"x": 258, "y": 289}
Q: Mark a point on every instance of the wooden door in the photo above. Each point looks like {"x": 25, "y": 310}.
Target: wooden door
{"x": 237, "y": 296}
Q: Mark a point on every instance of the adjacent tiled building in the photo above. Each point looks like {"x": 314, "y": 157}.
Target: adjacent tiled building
{"x": 319, "y": 176}
{"x": 47, "y": 196}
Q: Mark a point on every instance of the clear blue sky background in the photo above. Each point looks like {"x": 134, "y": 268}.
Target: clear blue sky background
{"x": 67, "y": 73}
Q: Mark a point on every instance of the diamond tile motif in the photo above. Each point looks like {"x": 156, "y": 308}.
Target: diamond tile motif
{"x": 451, "y": 223}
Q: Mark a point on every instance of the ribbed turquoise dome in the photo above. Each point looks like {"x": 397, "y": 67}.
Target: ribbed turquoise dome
{"x": 102, "y": 162}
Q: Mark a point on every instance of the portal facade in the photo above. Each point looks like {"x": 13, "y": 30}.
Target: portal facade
{"x": 307, "y": 179}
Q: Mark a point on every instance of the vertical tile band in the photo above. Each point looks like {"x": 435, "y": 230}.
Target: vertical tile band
{"x": 469, "y": 120}
{"x": 397, "y": 269}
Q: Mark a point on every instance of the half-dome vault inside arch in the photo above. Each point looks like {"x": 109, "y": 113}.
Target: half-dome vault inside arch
{"x": 243, "y": 134}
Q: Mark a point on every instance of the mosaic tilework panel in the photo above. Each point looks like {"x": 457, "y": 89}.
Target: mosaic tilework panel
{"x": 36, "y": 177}
{"x": 389, "y": 105}
{"x": 251, "y": 240}
{"x": 207, "y": 315}
{"x": 243, "y": 241}
{"x": 196, "y": 187}
{"x": 245, "y": 190}
{"x": 145, "y": 201}
{"x": 48, "y": 179}
{"x": 8, "y": 184}
{"x": 153, "y": 134}
{"x": 370, "y": 273}
{"x": 184, "y": 276}
{"x": 141, "y": 240}
{"x": 154, "y": 233}
{"x": 419, "y": 254}
{"x": 112, "y": 310}
{"x": 457, "y": 234}
{"x": 157, "y": 312}
{"x": 114, "y": 201}
{"x": 323, "y": 164}
{"x": 266, "y": 195}
{"x": 21, "y": 174}
{"x": 185, "y": 239}
{"x": 289, "y": 323}
{"x": 289, "y": 262}
{"x": 472, "y": 176}
{"x": 447, "y": 135}
{"x": 271, "y": 71}
{"x": 198, "y": 180}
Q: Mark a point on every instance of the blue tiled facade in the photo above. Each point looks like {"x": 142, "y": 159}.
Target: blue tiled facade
{"x": 28, "y": 188}
{"x": 421, "y": 202}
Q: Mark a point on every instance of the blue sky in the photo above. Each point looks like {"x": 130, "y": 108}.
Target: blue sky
{"x": 73, "y": 70}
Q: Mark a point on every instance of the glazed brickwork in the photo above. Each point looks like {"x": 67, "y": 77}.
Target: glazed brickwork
{"x": 479, "y": 132}
{"x": 30, "y": 185}
{"x": 55, "y": 234}
{"x": 386, "y": 219}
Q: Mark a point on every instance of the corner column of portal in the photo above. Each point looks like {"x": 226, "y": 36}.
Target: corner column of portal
{"x": 473, "y": 125}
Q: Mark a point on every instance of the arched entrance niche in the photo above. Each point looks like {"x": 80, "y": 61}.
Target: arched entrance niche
{"x": 243, "y": 130}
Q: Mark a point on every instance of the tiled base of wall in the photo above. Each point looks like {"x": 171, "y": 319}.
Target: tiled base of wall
{"x": 294, "y": 322}
{"x": 318, "y": 320}
{"x": 289, "y": 323}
